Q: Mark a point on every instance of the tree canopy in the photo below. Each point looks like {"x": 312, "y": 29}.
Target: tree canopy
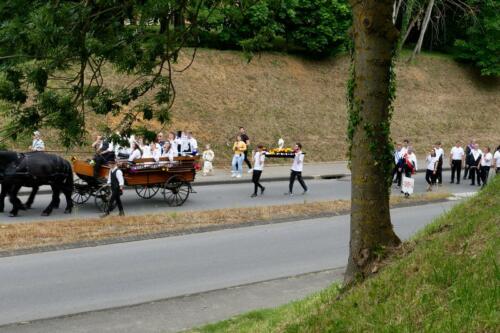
{"x": 52, "y": 56}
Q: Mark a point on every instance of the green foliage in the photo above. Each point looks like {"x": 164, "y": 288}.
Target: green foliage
{"x": 444, "y": 280}
{"x": 52, "y": 55}
{"x": 481, "y": 43}
{"x": 312, "y": 27}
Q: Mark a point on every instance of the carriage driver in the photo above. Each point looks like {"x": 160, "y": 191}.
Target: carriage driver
{"x": 104, "y": 153}
{"x": 116, "y": 181}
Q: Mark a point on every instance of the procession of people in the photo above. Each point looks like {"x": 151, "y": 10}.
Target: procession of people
{"x": 475, "y": 163}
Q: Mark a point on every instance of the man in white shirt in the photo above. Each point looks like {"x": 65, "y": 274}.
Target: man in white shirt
{"x": 37, "y": 144}
{"x": 486, "y": 165}
{"x": 440, "y": 157}
{"x": 496, "y": 157}
{"x": 296, "y": 170}
{"x": 476, "y": 156}
{"x": 192, "y": 144}
{"x": 398, "y": 156}
{"x": 116, "y": 181}
{"x": 258, "y": 166}
{"x": 457, "y": 156}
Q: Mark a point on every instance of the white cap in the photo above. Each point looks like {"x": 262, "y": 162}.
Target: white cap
{"x": 36, "y": 133}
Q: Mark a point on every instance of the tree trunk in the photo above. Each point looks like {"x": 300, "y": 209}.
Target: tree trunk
{"x": 423, "y": 29}
{"x": 371, "y": 155}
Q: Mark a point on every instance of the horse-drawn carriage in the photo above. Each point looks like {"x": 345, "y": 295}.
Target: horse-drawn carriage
{"x": 170, "y": 178}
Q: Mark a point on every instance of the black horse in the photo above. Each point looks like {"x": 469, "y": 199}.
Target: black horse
{"x": 33, "y": 170}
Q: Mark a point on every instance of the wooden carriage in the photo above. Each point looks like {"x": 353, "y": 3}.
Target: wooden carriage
{"x": 172, "y": 178}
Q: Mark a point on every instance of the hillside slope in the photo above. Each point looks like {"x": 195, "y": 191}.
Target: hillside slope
{"x": 303, "y": 100}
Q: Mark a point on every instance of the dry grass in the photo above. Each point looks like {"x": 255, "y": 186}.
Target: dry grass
{"x": 56, "y": 233}
{"x": 303, "y": 100}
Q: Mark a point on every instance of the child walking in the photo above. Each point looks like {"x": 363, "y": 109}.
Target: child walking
{"x": 208, "y": 158}
{"x": 258, "y": 166}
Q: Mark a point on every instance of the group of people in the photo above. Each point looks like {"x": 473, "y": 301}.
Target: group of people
{"x": 475, "y": 162}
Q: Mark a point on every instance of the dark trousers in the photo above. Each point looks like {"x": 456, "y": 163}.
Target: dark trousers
{"x": 245, "y": 153}
{"x": 474, "y": 173}
{"x": 466, "y": 170}
{"x": 298, "y": 175}
{"x": 439, "y": 171}
{"x": 399, "y": 174}
{"x": 256, "y": 181}
{"x": 115, "y": 200}
{"x": 456, "y": 167}
{"x": 430, "y": 177}
{"x": 485, "y": 172}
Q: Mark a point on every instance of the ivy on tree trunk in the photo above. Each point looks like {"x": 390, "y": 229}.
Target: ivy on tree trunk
{"x": 371, "y": 92}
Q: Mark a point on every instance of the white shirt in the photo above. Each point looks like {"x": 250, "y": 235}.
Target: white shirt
{"x": 259, "y": 159}
{"x": 194, "y": 144}
{"x": 171, "y": 153}
{"x": 156, "y": 154}
{"x": 397, "y": 156}
{"x": 413, "y": 158}
{"x": 497, "y": 158}
{"x": 136, "y": 154}
{"x": 431, "y": 162}
{"x": 298, "y": 162}
{"x": 37, "y": 145}
{"x": 486, "y": 160}
{"x": 403, "y": 151}
{"x": 457, "y": 153}
{"x": 119, "y": 176}
{"x": 439, "y": 152}
{"x": 208, "y": 155}
{"x": 146, "y": 151}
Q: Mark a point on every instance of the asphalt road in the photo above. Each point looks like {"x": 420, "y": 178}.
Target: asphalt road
{"x": 220, "y": 196}
{"x": 65, "y": 282}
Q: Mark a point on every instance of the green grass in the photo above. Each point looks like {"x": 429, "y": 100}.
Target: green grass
{"x": 446, "y": 279}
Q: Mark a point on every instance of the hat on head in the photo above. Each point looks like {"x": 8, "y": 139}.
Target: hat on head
{"x": 36, "y": 133}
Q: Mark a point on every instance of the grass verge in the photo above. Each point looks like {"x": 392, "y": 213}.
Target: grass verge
{"x": 22, "y": 236}
{"x": 446, "y": 279}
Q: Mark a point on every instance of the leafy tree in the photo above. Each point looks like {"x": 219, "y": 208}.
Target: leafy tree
{"x": 53, "y": 56}
{"x": 481, "y": 44}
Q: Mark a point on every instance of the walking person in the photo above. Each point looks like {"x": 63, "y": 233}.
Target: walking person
{"x": 296, "y": 170}
{"x": 410, "y": 162}
{"x": 258, "y": 166}
{"x": 440, "y": 157}
{"x": 468, "y": 158}
{"x": 496, "y": 157}
{"x": 239, "y": 148}
{"x": 474, "y": 170}
{"x": 457, "y": 157}
{"x": 486, "y": 165}
{"x": 208, "y": 158}
{"x": 246, "y": 140}
{"x": 116, "y": 181}
{"x": 397, "y": 170}
{"x": 430, "y": 172}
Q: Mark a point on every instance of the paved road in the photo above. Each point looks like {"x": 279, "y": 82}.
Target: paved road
{"x": 72, "y": 281}
{"x": 221, "y": 196}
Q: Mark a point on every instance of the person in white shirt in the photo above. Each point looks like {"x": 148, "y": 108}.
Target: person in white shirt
{"x": 404, "y": 148}
{"x": 192, "y": 144}
{"x": 37, "y": 144}
{"x": 135, "y": 152}
{"x": 296, "y": 170}
{"x": 116, "y": 181}
{"x": 440, "y": 157}
{"x": 397, "y": 165}
{"x": 208, "y": 158}
{"x": 258, "y": 166}
{"x": 496, "y": 156}
{"x": 155, "y": 151}
{"x": 169, "y": 151}
{"x": 430, "y": 173}
{"x": 475, "y": 167}
{"x": 457, "y": 158}
{"x": 410, "y": 162}
{"x": 486, "y": 165}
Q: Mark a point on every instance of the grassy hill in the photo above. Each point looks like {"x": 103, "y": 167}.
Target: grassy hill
{"x": 444, "y": 280}
{"x": 303, "y": 100}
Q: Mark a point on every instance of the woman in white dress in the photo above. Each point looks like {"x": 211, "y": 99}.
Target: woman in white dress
{"x": 135, "y": 152}
{"x": 169, "y": 151}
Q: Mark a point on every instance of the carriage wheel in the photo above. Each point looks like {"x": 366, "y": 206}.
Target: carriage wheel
{"x": 147, "y": 191}
{"x": 102, "y": 197}
{"x": 81, "y": 192}
{"x": 176, "y": 191}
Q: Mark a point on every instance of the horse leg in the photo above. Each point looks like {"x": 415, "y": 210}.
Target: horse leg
{"x": 14, "y": 200}
{"x": 31, "y": 198}
{"x": 54, "y": 202}
{"x": 69, "y": 201}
